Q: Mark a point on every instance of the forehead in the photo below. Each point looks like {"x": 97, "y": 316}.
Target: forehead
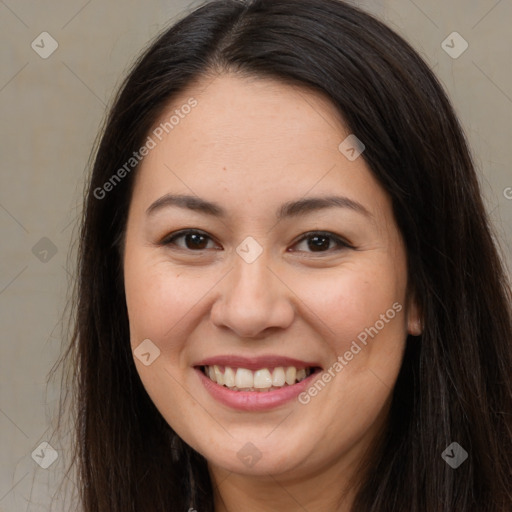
{"x": 250, "y": 141}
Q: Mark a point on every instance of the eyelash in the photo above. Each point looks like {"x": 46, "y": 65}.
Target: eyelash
{"x": 342, "y": 244}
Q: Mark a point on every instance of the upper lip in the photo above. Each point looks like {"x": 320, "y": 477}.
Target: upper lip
{"x": 255, "y": 363}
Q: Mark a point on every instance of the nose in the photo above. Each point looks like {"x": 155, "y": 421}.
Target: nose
{"x": 253, "y": 300}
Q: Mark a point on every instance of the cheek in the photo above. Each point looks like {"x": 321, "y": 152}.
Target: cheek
{"x": 362, "y": 312}
{"x": 158, "y": 297}
{"x": 350, "y": 302}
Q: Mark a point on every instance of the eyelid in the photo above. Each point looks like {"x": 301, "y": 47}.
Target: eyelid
{"x": 340, "y": 241}
{"x": 169, "y": 239}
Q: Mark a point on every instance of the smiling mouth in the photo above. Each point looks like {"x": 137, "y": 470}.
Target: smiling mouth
{"x": 264, "y": 379}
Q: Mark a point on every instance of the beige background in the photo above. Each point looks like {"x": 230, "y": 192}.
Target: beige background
{"x": 51, "y": 111}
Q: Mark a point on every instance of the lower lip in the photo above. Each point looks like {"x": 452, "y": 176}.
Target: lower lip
{"x": 255, "y": 400}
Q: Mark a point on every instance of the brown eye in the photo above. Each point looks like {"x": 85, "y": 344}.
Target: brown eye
{"x": 194, "y": 240}
{"x": 321, "y": 242}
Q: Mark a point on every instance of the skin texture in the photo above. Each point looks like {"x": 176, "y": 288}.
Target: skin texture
{"x": 251, "y": 145}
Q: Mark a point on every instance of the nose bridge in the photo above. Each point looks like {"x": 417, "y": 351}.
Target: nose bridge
{"x": 252, "y": 299}
{"x": 251, "y": 274}
{"x": 252, "y": 279}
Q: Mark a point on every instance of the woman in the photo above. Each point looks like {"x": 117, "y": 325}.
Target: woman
{"x": 289, "y": 297}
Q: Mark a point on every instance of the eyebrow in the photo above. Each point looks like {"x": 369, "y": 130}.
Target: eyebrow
{"x": 288, "y": 209}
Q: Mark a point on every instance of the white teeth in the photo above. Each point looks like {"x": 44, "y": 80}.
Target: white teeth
{"x": 262, "y": 379}
{"x": 290, "y": 375}
{"x": 218, "y": 375}
{"x": 278, "y": 378}
{"x": 229, "y": 377}
{"x": 242, "y": 379}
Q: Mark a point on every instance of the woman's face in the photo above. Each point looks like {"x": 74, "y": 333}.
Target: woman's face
{"x": 255, "y": 289}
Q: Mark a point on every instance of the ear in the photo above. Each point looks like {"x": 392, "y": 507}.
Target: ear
{"x": 414, "y": 316}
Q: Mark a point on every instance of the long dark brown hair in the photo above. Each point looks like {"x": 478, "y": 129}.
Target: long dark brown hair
{"x": 455, "y": 381}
